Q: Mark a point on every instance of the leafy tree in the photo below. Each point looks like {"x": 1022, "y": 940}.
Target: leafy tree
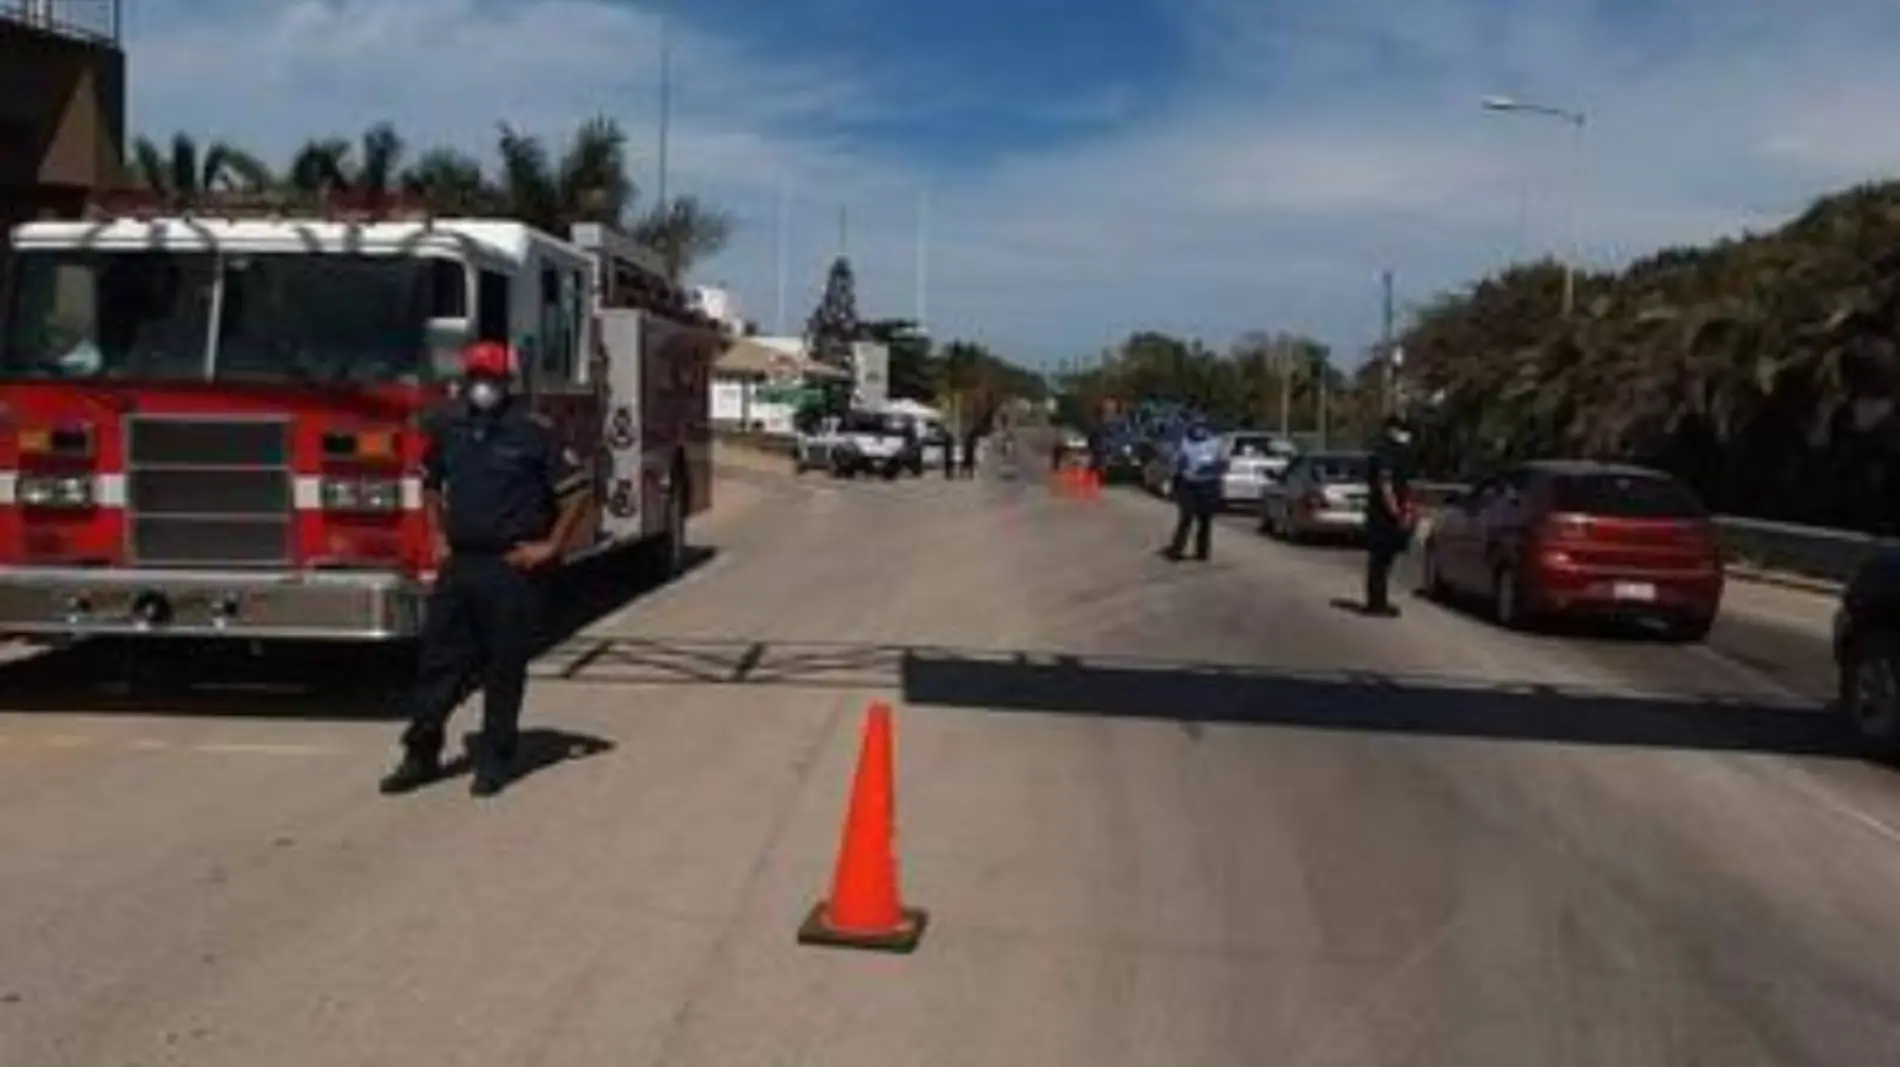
{"x": 1763, "y": 370}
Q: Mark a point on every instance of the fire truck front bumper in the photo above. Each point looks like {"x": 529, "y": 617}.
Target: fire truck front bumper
{"x": 81, "y": 602}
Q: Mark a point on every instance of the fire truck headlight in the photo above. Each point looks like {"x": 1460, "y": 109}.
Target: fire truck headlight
{"x": 361, "y": 494}
{"x": 55, "y": 491}
{"x": 381, "y": 494}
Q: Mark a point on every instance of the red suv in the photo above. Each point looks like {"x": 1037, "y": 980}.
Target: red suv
{"x": 1575, "y": 538}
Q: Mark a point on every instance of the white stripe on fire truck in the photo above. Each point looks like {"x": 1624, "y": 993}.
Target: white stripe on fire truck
{"x": 108, "y": 490}
{"x": 306, "y": 493}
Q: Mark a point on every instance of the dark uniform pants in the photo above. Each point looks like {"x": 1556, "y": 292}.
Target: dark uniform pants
{"x": 483, "y": 619}
{"x": 1385, "y": 543}
{"x": 1194, "y": 505}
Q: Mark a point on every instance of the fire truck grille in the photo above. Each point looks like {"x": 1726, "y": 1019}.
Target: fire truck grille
{"x": 209, "y": 492}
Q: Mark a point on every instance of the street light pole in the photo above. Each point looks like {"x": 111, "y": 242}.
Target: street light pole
{"x": 1577, "y": 120}
{"x": 666, "y": 104}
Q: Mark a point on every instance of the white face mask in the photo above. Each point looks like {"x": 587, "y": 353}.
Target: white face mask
{"x": 1402, "y": 437}
{"x": 484, "y": 394}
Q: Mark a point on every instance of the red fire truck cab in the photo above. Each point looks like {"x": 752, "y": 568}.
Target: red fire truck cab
{"x": 210, "y": 423}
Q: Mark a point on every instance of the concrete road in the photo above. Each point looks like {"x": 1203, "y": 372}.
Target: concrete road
{"x": 1161, "y": 814}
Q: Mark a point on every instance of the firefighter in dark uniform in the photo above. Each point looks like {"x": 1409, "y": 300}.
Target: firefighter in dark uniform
{"x": 502, "y": 496}
{"x": 1389, "y": 513}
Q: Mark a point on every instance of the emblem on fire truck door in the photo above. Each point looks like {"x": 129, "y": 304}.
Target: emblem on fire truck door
{"x": 620, "y": 429}
{"x": 621, "y": 501}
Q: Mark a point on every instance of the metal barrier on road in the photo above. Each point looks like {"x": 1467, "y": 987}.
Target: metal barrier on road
{"x": 98, "y": 21}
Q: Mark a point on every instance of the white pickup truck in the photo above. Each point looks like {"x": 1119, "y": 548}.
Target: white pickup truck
{"x": 873, "y": 442}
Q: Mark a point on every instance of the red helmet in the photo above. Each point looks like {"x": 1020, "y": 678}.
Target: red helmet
{"x": 489, "y": 357}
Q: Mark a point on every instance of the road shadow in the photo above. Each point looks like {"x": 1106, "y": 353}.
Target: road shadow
{"x": 537, "y": 749}
{"x": 1196, "y": 694}
{"x": 291, "y": 679}
{"x": 1371, "y": 702}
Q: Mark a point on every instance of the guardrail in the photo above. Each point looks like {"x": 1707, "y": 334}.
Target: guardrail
{"x": 1813, "y": 552}
{"x": 97, "y": 21}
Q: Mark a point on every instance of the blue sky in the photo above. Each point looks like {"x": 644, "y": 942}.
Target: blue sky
{"x": 1200, "y": 166}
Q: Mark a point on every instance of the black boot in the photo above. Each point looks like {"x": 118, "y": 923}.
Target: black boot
{"x": 417, "y": 769}
{"x": 491, "y": 772}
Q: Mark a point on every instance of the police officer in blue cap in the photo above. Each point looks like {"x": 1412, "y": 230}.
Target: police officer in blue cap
{"x": 1196, "y": 484}
{"x": 503, "y": 496}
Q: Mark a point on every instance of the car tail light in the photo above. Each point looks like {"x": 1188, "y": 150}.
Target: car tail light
{"x": 1562, "y": 529}
{"x": 372, "y": 495}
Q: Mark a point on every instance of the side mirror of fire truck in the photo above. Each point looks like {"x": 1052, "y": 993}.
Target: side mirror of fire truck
{"x": 447, "y": 340}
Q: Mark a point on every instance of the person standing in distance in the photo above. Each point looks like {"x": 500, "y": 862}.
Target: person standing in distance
{"x": 1197, "y": 471}
{"x": 502, "y": 496}
{"x": 1389, "y": 515}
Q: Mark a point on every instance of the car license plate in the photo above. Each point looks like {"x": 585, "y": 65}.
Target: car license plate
{"x": 1633, "y": 591}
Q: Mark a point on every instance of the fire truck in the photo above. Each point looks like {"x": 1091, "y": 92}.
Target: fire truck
{"x": 210, "y": 423}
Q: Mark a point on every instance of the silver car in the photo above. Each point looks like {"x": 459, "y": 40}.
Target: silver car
{"x": 1320, "y": 494}
{"x": 1253, "y": 461}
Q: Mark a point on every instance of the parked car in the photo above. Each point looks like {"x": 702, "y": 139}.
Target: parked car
{"x": 872, "y": 442}
{"x": 1575, "y": 538}
{"x": 1253, "y": 460}
{"x": 1123, "y": 458}
{"x": 1157, "y": 473}
{"x": 1867, "y": 654}
{"x": 1319, "y": 494}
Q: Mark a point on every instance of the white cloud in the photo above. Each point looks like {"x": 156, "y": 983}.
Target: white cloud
{"x": 1306, "y": 154}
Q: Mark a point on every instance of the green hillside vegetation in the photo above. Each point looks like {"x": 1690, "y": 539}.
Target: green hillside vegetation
{"x": 1761, "y": 369}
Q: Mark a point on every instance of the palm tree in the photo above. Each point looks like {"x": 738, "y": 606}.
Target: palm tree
{"x": 451, "y": 183}
{"x": 685, "y": 233}
{"x": 589, "y": 183}
{"x": 185, "y": 176}
{"x": 370, "y": 168}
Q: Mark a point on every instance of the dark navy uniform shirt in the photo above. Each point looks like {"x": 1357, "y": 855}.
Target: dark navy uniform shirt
{"x": 503, "y": 474}
{"x": 1390, "y": 464}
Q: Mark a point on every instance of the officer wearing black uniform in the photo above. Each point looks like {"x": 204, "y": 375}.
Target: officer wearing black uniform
{"x": 502, "y": 496}
{"x": 1389, "y": 515}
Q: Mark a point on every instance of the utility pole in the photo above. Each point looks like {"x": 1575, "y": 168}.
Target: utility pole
{"x": 1321, "y": 387}
{"x": 1387, "y": 348}
{"x": 784, "y": 242}
{"x": 923, "y": 260}
{"x": 1285, "y": 361}
{"x": 666, "y": 105}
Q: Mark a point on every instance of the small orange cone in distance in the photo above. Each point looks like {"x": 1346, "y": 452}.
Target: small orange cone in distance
{"x": 865, "y": 910}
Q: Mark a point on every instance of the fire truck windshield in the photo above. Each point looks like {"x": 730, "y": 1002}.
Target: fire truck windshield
{"x": 306, "y": 317}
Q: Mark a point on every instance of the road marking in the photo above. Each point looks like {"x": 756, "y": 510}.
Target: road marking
{"x": 1822, "y": 797}
{"x": 151, "y": 744}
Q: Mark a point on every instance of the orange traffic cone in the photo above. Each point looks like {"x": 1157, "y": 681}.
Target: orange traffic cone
{"x": 865, "y": 910}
